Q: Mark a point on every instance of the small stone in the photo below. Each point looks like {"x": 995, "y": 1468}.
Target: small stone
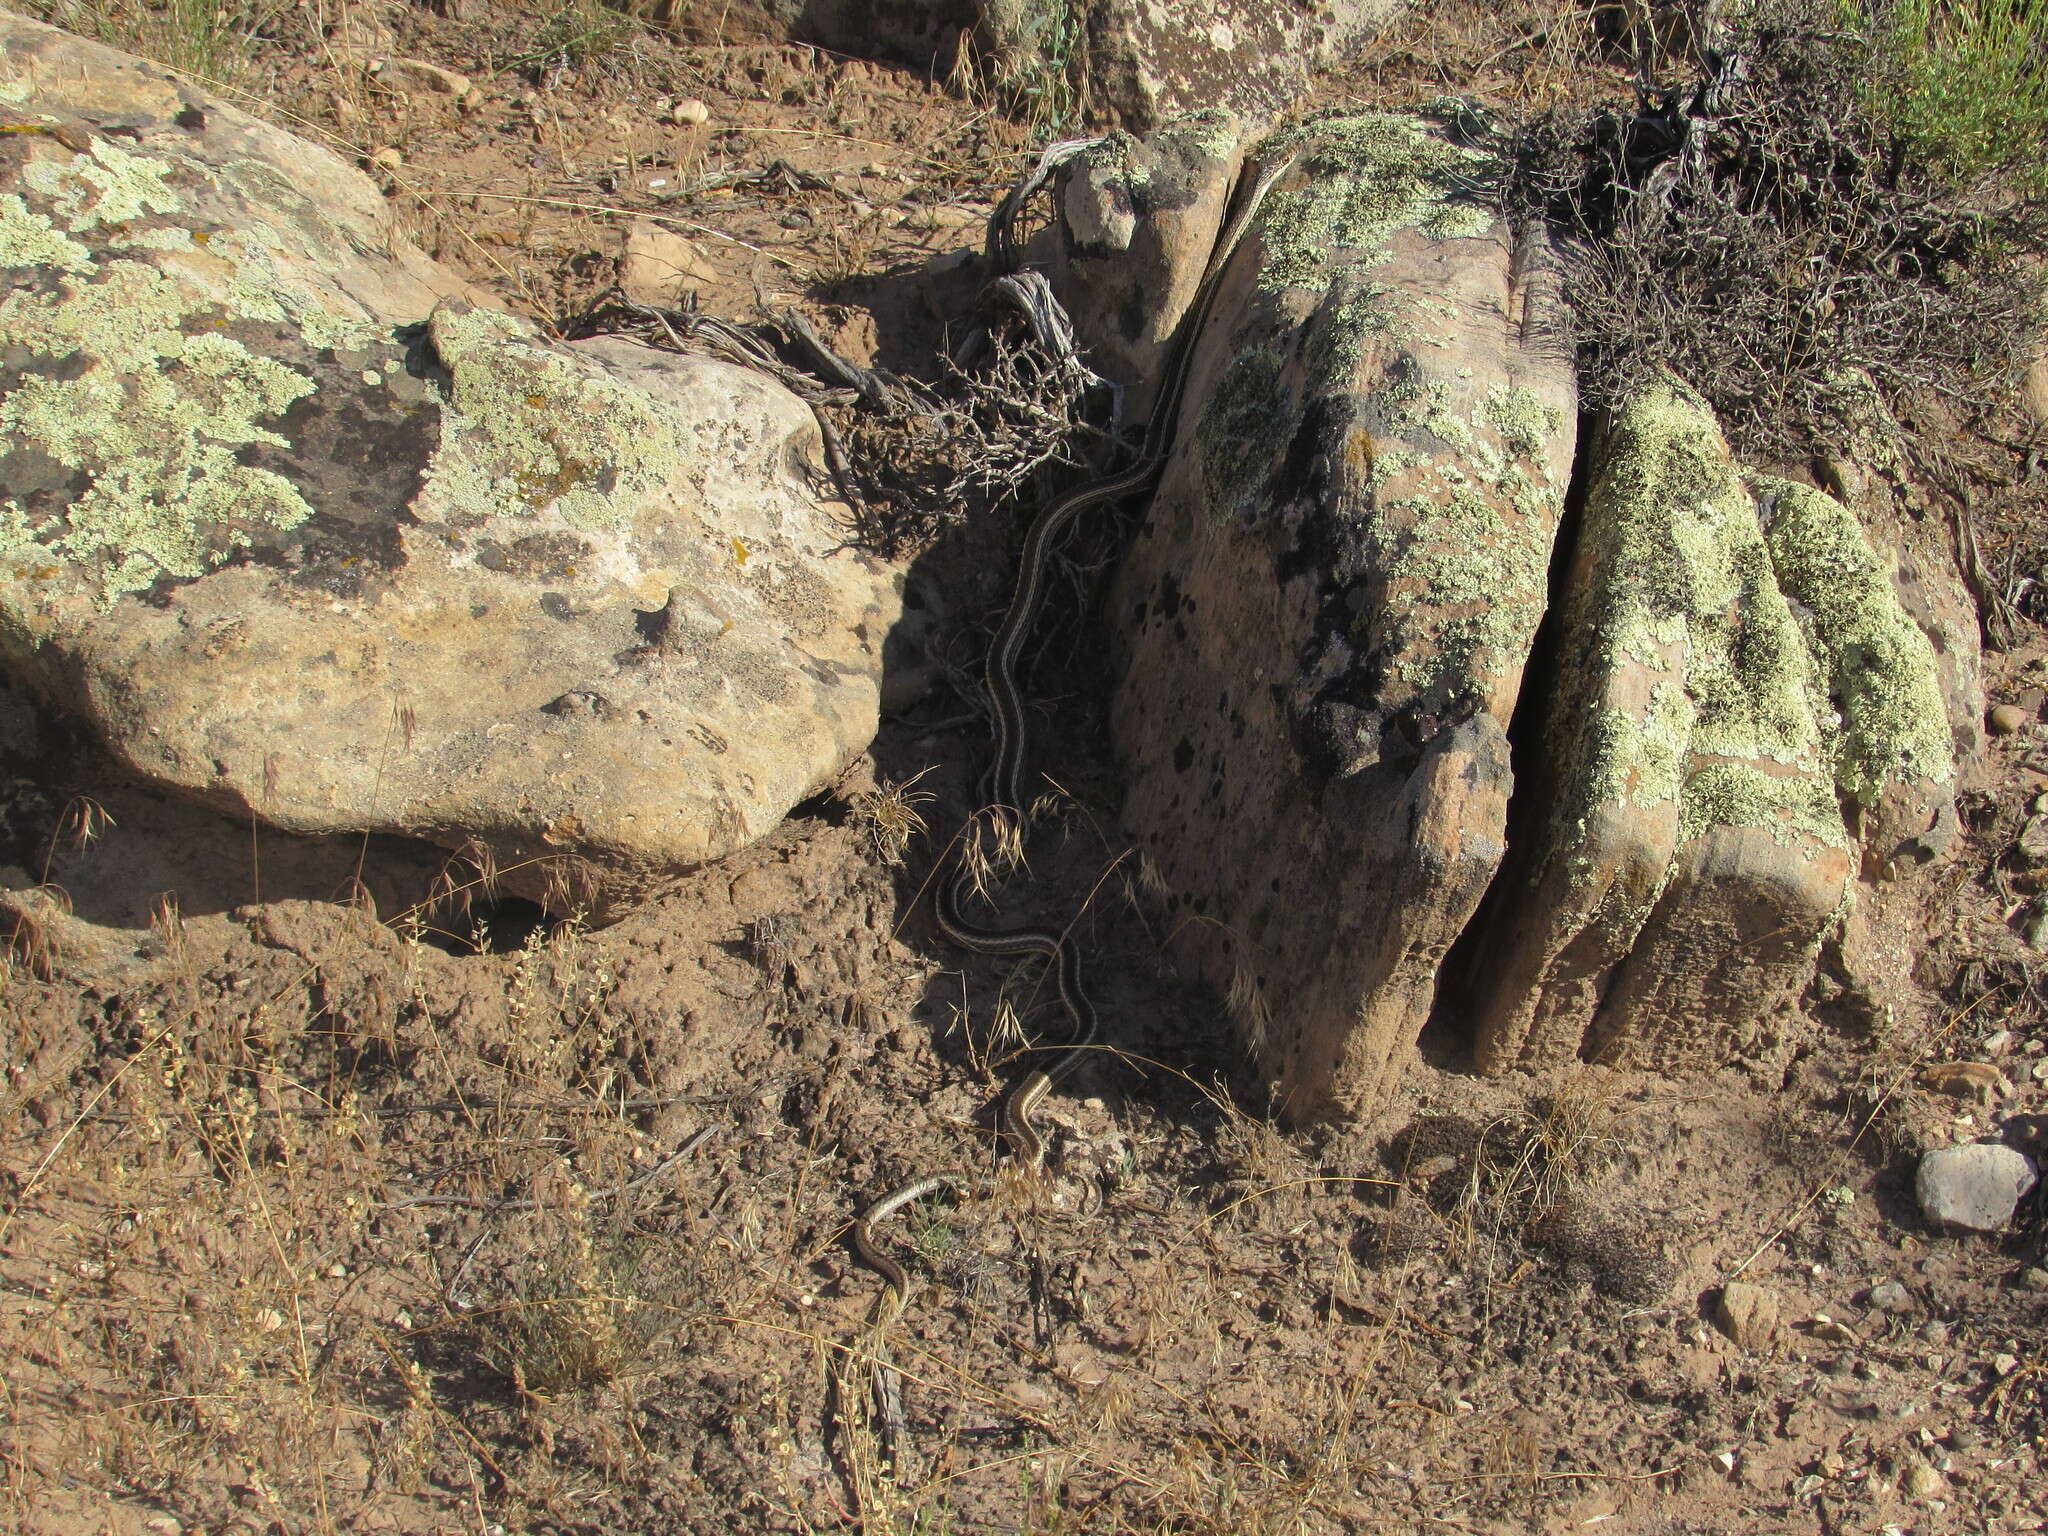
{"x": 385, "y": 159}
{"x": 1921, "y": 1481}
{"x": 689, "y": 112}
{"x": 163, "y": 1525}
{"x": 2033, "y": 842}
{"x": 2034, "y": 389}
{"x": 2003, "y": 1365}
{"x": 1934, "y": 1333}
{"x": 337, "y": 1270}
{"x": 1748, "y": 1314}
{"x": 1889, "y": 1296}
{"x": 1996, "y": 1043}
{"x": 2007, "y": 720}
{"x": 417, "y": 75}
{"x": 2034, "y": 1278}
{"x": 657, "y": 265}
{"x": 1975, "y": 1186}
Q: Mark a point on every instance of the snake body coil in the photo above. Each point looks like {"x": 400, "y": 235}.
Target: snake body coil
{"x": 1003, "y": 785}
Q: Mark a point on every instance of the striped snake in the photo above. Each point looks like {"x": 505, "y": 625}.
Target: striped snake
{"x": 1003, "y": 785}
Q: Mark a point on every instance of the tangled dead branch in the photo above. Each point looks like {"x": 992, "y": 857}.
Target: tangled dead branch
{"x": 913, "y": 459}
{"x": 1762, "y": 233}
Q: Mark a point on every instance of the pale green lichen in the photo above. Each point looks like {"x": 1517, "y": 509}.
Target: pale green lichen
{"x": 154, "y": 418}
{"x": 137, "y": 388}
{"x": 1680, "y": 583}
{"x": 1873, "y": 659}
{"x": 1211, "y": 132}
{"x": 1525, "y": 423}
{"x": 29, "y": 240}
{"x": 529, "y": 429}
{"x": 1367, "y": 177}
{"x": 105, "y": 186}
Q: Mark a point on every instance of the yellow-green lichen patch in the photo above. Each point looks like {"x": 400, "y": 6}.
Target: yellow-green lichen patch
{"x": 529, "y": 429}
{"x": 1525, "y": 424}
{"x": 153, "y": 418}
{"x": 1470, "y": 580}
{"x": 29, "y": 240}
{"x": 1365, "y": 178}
{"x": 1679, "y": 582}
{"x": 1211, "y": 133}
{"x": 105, "y": 186}
{"x": 1874, "y": 660}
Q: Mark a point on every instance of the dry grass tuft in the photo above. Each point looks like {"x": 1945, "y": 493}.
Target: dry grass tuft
{"x": 888, "y": 816}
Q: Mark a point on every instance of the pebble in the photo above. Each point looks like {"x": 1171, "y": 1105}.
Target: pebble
{"x": 2007, "y": 720}
{"x": 1934, "y": 1333}
{"x": 1921, "y": 1481}
{"x": 2003, "y": 1365}
{"x": 1890, "y": 1296}
{"x": 1747, "y": 1313}
{"x": 386, "y": 159}
{"x": 690, "y": 112}
{"x": 2034, "y": 1278}
{"x": 1975, "y": 1186}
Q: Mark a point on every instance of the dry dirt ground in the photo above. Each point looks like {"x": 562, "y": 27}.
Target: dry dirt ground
{"x": 336, "y": 1195}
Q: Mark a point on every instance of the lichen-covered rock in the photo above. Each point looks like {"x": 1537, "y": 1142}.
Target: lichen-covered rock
{"x": 1328, "y": 611}
{"x": 1129, "y": 62}
{"x": 1142, "y": 62}
{"x": 299, "y": 531}
{"x": 1734, "y": 673}
{"x": 1138, "y": 218}
{"x": 1748, "y": 694}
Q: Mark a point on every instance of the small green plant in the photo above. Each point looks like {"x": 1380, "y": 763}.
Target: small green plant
{"x": 574, "y": 33}
{"x": 1969, "y": 87}
{"x": 1031, "y": 65}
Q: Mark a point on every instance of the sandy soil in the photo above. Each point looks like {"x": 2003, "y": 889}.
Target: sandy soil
{"x": 340, "y": 1196}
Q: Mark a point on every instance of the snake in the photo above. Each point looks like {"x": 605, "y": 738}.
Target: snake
{"x": 1002, "y": 785}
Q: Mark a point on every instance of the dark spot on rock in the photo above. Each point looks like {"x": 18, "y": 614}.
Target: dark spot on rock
{"x": 1132, "y": 314}
{"x": 556, "y": 606}
{"x": 584, "y": 702}
{"x": 1169, "y": 596}
{"x": 192, "y": 119}
{"x": 1183, "y": 756}
{"x": 478, "y": 610}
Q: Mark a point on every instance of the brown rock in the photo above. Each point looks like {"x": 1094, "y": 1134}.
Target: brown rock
{"x": 1138, "y": 218}
{"x": 1748, "y": 1314}
{"x": 416, "y": 77}
{"x": 1318, "y": 746}
{"x": 657, "y": 266}
{"x": 2006, "y": 720}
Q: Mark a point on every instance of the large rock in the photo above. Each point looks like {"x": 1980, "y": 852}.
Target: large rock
{"x": 1128, "y": 62}
{"x": 1734, "y": 672}
{"x": 298, "y": 530}
{"x": 1977, "y": 1186}
{"x": 1749, "y": 695}
{"x": 1328, "y": 610}
{"x": 1137, "y": 220}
